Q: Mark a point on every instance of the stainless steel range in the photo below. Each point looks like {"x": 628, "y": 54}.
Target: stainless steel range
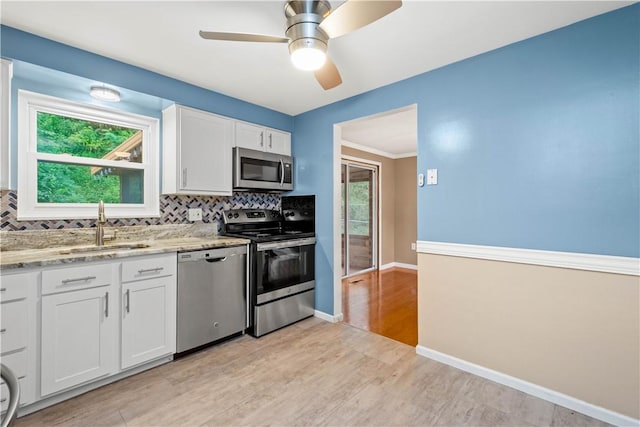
{"x": 281, "y": 256}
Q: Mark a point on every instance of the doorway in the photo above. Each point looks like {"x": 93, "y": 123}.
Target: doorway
{"x": 375, "y": 277}
{"x": 359, "y": 217}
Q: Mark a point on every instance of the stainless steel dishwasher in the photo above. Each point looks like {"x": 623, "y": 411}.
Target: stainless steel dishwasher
{"x": 212, "y": 295}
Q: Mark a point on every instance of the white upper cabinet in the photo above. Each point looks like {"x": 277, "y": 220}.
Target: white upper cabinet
{"x": 263, "y": 139}
{"x": 196, "y": 152}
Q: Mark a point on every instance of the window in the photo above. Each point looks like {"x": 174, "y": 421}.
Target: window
{"x": 72, "y": 155}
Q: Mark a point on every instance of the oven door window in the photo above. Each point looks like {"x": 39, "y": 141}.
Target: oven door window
{"x": 260, "y": 170}
{"x": 284, "y": 267}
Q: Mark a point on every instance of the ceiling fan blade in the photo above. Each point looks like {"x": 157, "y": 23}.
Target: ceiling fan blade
{"x": 242, "y": 37}
{"x": 354, "y": 14}
{"x": 328, "y": 75}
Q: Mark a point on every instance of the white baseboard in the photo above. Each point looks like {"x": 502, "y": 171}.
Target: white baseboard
{"x": 328, "y": 317}
{"x": 561, "y": 399}
{"x": 579, "y": 261}
{"x": 399, "y": 265}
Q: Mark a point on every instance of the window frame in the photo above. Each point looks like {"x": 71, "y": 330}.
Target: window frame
{"x": 29, "y": 104}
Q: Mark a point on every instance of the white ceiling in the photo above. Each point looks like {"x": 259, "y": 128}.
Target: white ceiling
{"x": 162, "y": 36}
{"x": 391, "y": 134}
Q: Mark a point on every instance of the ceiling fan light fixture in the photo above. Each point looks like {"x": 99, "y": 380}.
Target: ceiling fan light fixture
{"x": 308, "y": 54}
{"x": 103, "y": 93}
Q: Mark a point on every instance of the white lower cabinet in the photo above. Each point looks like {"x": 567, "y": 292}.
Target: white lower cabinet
{"x": 99, "y": 319}
{"x": 73, "y": 325}
{"x": 78, "y": 337}
{"x": 17, "y": 332}
{"x": 148, "y": 309}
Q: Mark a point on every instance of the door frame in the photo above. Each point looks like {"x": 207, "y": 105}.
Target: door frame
{"x": 377, "y": 238}
{"x": 337, "y": 161}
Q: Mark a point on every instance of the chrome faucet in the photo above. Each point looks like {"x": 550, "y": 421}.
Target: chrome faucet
{"x": 102, "y": 220}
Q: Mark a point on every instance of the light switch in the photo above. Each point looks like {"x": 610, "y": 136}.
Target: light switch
{"x": 432, "y": 176}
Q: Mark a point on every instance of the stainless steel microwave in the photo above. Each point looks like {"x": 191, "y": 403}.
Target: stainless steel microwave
{"x": 259, "y": 170}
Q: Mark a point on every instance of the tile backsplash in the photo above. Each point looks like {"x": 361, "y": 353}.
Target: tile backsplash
{"x": 173, "y": 210}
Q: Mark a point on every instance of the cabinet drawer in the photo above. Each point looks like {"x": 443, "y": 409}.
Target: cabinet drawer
{"x": 13, "y": 326}
{"x": 4, "y": 394}
{"x": 15, "y": 286}
{"x": 17, "y": 362}
{"x": 74, "y": 278}
{"x": 144, "y": 268}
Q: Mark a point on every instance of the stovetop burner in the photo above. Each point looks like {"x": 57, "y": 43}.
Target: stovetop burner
{"x": 263, "y": 225}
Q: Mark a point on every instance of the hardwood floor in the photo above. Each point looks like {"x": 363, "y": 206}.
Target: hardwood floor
{"x": 311, "y": 373}
{"x": 384, "y": 302}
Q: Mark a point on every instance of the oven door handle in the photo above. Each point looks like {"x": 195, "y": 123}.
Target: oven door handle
{"x": 285, "y": 244}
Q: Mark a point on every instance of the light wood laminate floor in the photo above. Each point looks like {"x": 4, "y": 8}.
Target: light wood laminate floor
{"x": 311, "y": 373}
{"x": 384, "y": 302}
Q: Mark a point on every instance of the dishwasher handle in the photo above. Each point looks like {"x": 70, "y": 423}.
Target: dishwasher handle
{"x": 219, "y": 259}
{"x": 211, "y": 255}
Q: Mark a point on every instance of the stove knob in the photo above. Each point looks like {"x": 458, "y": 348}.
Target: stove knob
{"x": 236, "y": 215}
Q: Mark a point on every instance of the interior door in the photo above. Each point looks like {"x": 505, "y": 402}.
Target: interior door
{"x": 359, "y": 218}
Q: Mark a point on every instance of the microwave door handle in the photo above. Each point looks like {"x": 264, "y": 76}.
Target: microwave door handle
{"x": 281, "y": 173}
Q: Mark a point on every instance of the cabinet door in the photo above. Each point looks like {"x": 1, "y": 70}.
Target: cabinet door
{"x": 78, "y": 337}
{"x": 148, "y": 320}
{"x": 278, "y": 142}
{"x": 205, "y": 153}
{"x": 250, "y": 136}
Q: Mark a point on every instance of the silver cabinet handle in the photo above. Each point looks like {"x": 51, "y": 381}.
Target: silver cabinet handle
{"x": 261, "y": 139}
{"x": 150, "y": 270}
{"x": 270, "y": 140}
{"x": 127, "y": 304}
{"x": 184, "y": 177}
{"x": 106, "y": 304}
{"x": 3, "y": 289}
{"x": 79, "y": 279}
{"x": 3, "y": 330}
{"x": 3, "y": 400}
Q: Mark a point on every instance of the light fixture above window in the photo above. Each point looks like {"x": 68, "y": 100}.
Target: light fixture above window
{"x": 104, "y": 93}
{"x": 308, "y": 54}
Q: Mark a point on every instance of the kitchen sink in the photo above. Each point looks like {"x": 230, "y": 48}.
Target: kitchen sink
{"x": 105, "y": 248}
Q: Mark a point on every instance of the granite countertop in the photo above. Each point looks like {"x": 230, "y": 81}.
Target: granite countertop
{"x": 59, "y": 250}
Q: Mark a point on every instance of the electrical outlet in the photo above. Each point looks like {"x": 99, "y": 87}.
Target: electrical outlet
{"x": 195, "y": 214}
{"x": 413, "y": 246}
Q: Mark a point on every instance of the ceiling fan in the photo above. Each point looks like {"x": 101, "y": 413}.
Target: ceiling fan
{"x": 310, "y": 26}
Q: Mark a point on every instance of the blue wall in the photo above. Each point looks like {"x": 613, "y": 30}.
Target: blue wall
{"x": 18, "y": 45}
{"x": 536, "y": 144}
